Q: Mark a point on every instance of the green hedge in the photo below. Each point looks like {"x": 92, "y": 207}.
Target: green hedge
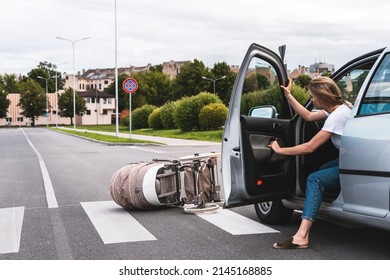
{"x": 154, "y": 119}
{"x": 166, "y": 114}
{"x": 140, "y": 116}
{"x": 212, "y": 116}
{"x": 186, "y": 114}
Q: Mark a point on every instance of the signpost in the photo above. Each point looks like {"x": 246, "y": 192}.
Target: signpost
{"x": 130, "y": 85}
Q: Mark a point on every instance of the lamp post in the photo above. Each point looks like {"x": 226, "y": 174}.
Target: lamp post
{"x": 214, "y": 80}
{"x": 116, "y": 77}
{"x": 47, "y": 96}
{"x": 74, "y": 77}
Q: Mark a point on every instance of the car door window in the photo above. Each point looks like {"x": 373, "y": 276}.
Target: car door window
{"x": 377, "y": 97}
{"x": 261, "y": 86}
{"x": 351, "y": 83}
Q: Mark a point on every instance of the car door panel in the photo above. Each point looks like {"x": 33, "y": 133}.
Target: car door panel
{"x": 250, "y": 171}
{"x": 266, "y": 173}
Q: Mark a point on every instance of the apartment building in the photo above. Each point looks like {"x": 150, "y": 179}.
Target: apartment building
{"x": 15, "y": 118}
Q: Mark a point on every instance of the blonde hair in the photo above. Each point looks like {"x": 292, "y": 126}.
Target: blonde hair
{"x": 327, "y": 91}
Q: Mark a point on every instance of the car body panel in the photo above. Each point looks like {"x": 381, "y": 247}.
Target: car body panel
{"x": 365, "y": 147}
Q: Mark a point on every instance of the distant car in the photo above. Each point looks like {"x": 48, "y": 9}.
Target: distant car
{"x": 275, "y": 184}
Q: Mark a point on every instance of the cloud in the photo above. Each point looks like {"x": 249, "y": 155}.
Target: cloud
{"x": 152, "y": 31}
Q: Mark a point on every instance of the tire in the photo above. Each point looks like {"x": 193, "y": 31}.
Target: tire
{"x": 273, "y": 212}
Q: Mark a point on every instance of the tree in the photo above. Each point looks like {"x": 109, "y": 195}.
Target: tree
{"x": 4, "y": 104}
{"x": 154, "y": 86}
{"x": 47, "y": 71}
{"x": 65, "y": 104}
{"x": 189, "y": 81}
{"x": 32, "y": 99}
{"x": 9, "y": 83}
{"x": 303, "y": 81}
{"x": 223, "y": 87}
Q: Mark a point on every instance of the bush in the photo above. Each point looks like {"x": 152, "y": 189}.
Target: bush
{"x": 154, "y": 119}
{"x": 166, "y": 115}
{"x": 187, "y": 111}
{"x": 271, "y": 96}
{"x": 212, "y": 116}
{"x": 140, "y": 116}
{"x": 124, "y": 119}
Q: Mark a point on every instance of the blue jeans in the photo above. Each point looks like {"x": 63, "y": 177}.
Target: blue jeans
{"x": 326, "y": 178}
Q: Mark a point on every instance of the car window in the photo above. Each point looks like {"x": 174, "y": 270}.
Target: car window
{"x": 377, "y": 97}
{"x": 351, "y": 82}
{"x": 261, "y": 86}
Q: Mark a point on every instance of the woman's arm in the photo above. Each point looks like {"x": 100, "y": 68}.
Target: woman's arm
{"x": 306, "y": 148}
{"x": 299, "y": 109}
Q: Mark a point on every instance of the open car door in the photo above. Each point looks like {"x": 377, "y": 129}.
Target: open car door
{"x": 251, "y": 172}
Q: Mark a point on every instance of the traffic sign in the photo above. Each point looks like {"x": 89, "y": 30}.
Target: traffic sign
{"x": 130, "y": 85}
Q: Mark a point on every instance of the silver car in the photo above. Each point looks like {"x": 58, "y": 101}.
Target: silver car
{"x": 275, "y": 184}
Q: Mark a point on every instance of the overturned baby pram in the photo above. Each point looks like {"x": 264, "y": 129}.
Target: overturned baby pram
{"x": 190, "y": 182}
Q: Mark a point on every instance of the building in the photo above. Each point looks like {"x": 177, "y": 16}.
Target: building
{"x": 321, "y": 67}
{"x": 172, "y": 68}
{"x": 15, "y": 118}
{"x": 302, "y": 70}
{"x": 100, "y": 107}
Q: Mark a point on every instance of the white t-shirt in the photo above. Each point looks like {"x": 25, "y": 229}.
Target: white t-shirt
{"x": 336, "y": 122}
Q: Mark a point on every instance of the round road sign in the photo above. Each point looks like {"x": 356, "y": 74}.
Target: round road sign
{"x": 130, "y": 85}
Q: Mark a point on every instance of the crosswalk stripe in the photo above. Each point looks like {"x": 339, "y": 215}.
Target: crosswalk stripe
{"x": 234, "y": 223}
{"x": 11, "y": 220}
{"x": 114, "y": 224}
{"x": 154, "y": 151}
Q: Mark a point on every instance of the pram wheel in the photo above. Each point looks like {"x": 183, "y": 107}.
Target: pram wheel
{"x": 207, "y": 207}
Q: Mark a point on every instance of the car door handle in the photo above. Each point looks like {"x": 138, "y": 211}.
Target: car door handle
{"x": 276, "y": 126}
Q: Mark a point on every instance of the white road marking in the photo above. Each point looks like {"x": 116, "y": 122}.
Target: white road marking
{"x": 114, "y": 224}
{"x": 147, "y": 150}
{"x": 50, "y": 195}
{"x": 234, "y": 223}
{"x": 11, "y": 220}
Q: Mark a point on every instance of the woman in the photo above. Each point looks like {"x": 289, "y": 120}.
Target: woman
{"x": 325, "y": 95}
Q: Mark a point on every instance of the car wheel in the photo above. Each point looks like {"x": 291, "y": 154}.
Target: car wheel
{"x": 273, "y": 212}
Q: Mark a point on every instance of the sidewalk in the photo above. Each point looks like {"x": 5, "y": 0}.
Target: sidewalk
{"x": 163, "y": 140}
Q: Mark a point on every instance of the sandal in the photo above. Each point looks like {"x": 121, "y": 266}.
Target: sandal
{"x": 288, "y": 244}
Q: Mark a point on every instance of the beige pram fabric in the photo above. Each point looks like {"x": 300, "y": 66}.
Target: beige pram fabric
{"x": 127, "y": 183}
{"x": 204, "y": 181}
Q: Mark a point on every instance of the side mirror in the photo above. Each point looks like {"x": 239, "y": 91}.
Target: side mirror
{"x": 266, "y": 111}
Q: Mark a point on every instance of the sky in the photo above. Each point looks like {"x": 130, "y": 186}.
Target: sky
{"x": 213, "y": 31}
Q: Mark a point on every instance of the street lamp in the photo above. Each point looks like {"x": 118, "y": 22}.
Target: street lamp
{"x": 74, "y": 77}
{"x": 214, "y": 80}
{"x": 47, "y": 96}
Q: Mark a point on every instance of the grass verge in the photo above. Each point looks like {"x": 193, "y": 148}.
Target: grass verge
{"x": 212, "y": 135}
{"x": 105, "y": 138}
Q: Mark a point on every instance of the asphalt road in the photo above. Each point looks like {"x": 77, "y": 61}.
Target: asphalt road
{"x": 84, "y": 224}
